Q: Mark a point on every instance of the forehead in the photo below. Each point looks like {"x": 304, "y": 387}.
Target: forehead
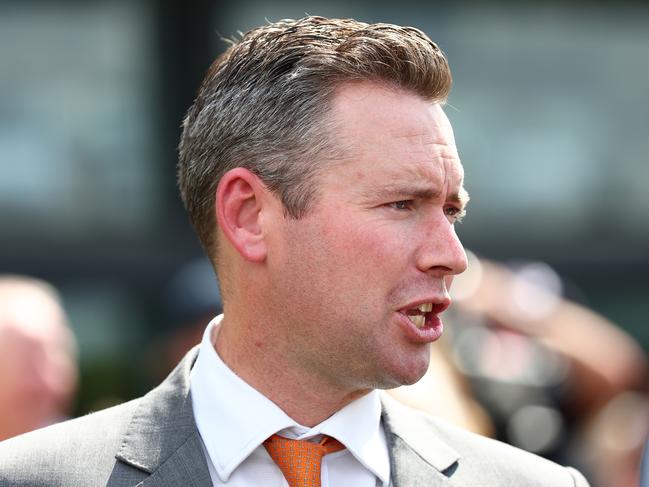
{"x": 391, "y": 134}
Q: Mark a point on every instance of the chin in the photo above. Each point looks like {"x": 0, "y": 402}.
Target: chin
{"x": 412, "y": 368}
{"x": 398, "y": 378}
{"x": 411, "y": 379}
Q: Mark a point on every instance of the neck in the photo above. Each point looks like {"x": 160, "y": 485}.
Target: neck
{"x": 306, "y": 398}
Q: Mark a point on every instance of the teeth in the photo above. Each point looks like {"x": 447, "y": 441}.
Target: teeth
{"x": 418, "y": 320}
{"x": 425, "y": 308}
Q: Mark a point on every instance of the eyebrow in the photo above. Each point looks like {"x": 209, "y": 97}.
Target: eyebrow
{"x": 460, "y": 197}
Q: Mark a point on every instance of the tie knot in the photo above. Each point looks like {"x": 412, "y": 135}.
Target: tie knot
{"x": 300, "y": 460}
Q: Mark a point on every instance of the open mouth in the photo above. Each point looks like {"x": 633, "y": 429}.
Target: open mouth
{"x": 423, "y": 313}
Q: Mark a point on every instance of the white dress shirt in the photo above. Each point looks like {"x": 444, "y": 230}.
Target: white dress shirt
{"x": 234, "y": 419}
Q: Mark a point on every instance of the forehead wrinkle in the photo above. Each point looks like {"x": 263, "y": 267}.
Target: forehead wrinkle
{"x": 429, "y": 145}
{"x": 415, "y": 182}
{"x": 423, "y": 178}
{"x": 437, "y": 171}
{"x": 455, "y": 172}
{"x": 425, "y": 131}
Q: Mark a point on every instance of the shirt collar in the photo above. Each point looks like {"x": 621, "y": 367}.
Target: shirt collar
{"x": 226, "y": 407}
{"x": 358, "y": 427}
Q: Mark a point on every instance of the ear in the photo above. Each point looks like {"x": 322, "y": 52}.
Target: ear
{"x": 240, "y": 198}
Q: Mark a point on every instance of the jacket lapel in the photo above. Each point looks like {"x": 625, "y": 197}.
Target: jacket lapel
{"x": 417, "y": 456}
{"x": 185, "y": 466}
{"x": 162, "y": 438}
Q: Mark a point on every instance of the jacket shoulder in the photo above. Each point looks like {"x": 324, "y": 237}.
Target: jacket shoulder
{"x": 76, "y": 452}
{"x": 482, "y": 457}
{"x": 463, "y": 457}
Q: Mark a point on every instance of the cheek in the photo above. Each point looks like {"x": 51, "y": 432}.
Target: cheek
{"x": 385, "y": 257}
{"x": 351, "y": 259}
{"x": 368, "y": 268}
{"x": 358, "y": 241}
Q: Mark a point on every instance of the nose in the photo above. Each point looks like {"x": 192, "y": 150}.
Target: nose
{"x": 441, "y": 252}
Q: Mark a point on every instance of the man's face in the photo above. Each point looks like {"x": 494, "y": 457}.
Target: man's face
{"x": 359, "y": 281}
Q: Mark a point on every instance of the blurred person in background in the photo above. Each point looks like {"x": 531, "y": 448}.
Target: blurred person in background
{"x": 555, "y": 377}
{"x": 38, "y": 356}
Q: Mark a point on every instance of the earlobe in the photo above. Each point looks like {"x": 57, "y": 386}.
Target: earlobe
{"x": 239, "y": 202}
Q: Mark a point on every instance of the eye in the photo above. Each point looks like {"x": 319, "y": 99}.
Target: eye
{"x": 401, "y": 205}
{"x": 454, "y": 213}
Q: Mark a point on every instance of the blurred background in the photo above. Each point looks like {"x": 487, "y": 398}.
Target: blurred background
{"x": 550, "y": 107}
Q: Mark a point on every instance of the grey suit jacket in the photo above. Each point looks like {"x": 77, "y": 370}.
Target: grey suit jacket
{"x": 153, "y": 441}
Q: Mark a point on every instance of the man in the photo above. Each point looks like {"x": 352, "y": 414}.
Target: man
{"x": 37, "y": 356}
{"x": 321, "y": 175}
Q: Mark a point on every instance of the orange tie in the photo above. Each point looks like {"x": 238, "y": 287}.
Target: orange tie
{"x": 300, "y": 460}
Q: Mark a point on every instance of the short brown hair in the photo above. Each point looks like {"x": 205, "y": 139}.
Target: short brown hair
{"x": 264, "y": 105}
